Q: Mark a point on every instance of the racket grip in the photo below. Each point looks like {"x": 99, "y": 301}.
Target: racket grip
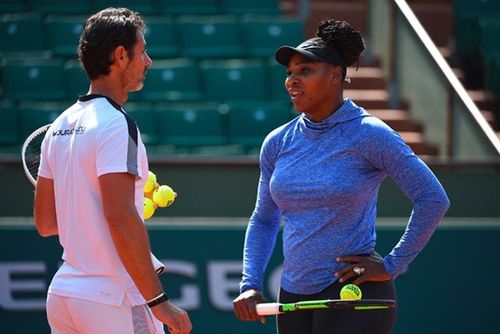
{"x": 268, "y": 308}
{"x": 158, "y": 265}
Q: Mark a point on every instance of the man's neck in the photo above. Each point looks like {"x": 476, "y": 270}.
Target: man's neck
{"x": 107, "y": 87}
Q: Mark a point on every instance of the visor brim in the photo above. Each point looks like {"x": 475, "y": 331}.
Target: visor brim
{"x": 285, "y": 53}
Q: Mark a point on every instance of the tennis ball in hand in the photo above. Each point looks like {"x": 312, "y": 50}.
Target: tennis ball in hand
{"x": 350, "y": 292}
{"x": 150, "y": 182}
{"x": 149, "y": 208}
{"x": 164, "y": 196}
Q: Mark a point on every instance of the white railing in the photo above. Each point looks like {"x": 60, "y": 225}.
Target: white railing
{"x": 448, "y": 72}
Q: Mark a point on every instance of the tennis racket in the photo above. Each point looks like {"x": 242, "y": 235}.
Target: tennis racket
{"x": 325, "y": 304}
{"x": 30, "y": 155}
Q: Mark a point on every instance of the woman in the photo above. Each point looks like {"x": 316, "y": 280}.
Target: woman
{"x": 321, "y": 173}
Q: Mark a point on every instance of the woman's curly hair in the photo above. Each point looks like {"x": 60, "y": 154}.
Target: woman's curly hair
{"x": 343, "y": 38}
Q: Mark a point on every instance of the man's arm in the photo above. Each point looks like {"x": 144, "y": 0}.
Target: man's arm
{"x": 132, "y": 244}
{"x": 45, "y": 208}
{"x": 128, "y": 232}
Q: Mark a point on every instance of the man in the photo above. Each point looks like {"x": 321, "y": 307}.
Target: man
{"x": 90, "y": 193}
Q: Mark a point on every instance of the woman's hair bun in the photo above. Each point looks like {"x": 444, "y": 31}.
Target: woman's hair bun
{"x": 343, "y": 38}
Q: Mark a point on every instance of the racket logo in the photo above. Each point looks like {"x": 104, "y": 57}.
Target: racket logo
{"x": 307, "y": 305}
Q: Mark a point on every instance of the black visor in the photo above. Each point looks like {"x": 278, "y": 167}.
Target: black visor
{"x": 311, "y": 50}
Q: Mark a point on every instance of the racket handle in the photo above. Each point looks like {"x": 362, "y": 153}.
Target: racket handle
{"x": 158, "y": 265}
{"x": 268, "y": 308}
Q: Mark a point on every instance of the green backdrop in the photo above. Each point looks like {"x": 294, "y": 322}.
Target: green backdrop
{"x": 449, "y": 288}
{"x": 218, "y": 189}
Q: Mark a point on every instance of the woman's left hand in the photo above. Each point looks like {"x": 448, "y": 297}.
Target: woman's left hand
{"x": 362, "y": 269}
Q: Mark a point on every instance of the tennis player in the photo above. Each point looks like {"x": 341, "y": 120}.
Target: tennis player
{"x": 321, "y": 173}
{"x": 90, "y": 193}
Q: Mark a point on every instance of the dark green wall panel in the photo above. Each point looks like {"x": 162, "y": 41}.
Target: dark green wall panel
{"x": 229, "y": 190}
{"x": 449, "y": 288}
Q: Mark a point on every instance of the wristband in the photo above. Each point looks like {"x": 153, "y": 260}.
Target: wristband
{"x": 161, "y": 298}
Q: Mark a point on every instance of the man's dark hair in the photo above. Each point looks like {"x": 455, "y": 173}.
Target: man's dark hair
{"x": 102, "y": 33}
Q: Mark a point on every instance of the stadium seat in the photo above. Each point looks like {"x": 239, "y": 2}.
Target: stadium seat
{"x": 180, "y": 7}
{"x": 467, "y": 31}
{"x": 262, "y": 35}
{"x": 12, "y": 6}
{"x": 161, "y": 37}
{"x": 469, "y": 50}
{"x": 63, "y": 34}
{"x": 250, "y": 122}
{"x": 9, "y": 125}
{"x": 33, "y": 115}
{"x": 191, "y": 125}
{"x": 31, "y": 79}
{"x": 463, "y": 6}
{"x": 491, "y": 69}
{"x": 61, "y": 7}
{"x": 489, "y": 34}
{"x": 210, "y": 36}
{"x": 277, "y": 76}
{"x": 146, "y": 117}
{"x": 76, "y": 80}
{"x": 144, "y": 7}
{"x": 250, "y": 6}
{"x": 21, "y": 33}
{"x": 171, "y": 80}
{"x": 234, "y": 79}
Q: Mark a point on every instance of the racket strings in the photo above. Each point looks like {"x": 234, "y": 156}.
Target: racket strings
{"x": 32, "y": 154}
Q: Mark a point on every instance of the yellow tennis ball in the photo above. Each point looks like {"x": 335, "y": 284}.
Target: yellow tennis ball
{"x": 149, "y": 195}
{"x": 350, "y": 292}
{"x": 150, "y": 182}
{"x": 164, "y": 196}
{"x": 149, "y": 208}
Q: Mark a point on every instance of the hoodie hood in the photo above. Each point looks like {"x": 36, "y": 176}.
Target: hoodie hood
{"x": 346, "y": 112}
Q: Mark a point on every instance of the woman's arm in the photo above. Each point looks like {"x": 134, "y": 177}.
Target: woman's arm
{"x": 388, "y": 152}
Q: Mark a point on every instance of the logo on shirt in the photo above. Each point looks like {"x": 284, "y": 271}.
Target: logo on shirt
{"x": 68, "y": 132}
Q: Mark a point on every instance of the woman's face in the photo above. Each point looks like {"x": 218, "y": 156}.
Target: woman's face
{"x": 315, "y": 88}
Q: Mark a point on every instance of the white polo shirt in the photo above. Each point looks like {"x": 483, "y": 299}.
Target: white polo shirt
{"x": 91, "y": 138}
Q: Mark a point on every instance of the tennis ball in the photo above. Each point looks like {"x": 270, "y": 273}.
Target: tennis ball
{"x": 149, "y": 186}
{"x": 149, "y": 208}
{"x": 350, "y": 292}
{"x": 149, "y": 195}
{"x": 164, "y": 196}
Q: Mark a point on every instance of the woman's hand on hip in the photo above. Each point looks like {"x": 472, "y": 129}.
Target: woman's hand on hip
{"x": 362, "y": 269}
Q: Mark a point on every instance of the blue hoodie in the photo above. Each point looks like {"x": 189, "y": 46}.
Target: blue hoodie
{"x": 323, "y": 180}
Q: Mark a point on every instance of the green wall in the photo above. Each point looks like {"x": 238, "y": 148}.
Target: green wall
{"x": 449, "y": 288}
{"x": 229, "y": 190}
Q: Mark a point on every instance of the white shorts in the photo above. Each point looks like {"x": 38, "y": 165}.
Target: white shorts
{"x": 73, "y": 315}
